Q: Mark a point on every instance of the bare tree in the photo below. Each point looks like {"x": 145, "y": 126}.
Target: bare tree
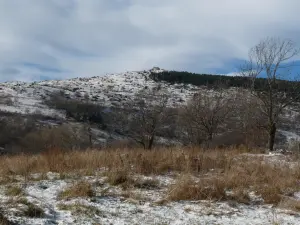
{"x": 206, "y": 114}
{"x": 250, "y": 123}
{"x": 144, "y": 116}
{"x": 271, "y": 58}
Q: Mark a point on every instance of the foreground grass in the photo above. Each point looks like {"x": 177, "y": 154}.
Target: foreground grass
{"x": 236, "y": 183}
{"x": 212, "y": 174}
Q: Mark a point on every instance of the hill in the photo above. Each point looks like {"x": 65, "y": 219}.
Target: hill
{"x": 86, "y": 102}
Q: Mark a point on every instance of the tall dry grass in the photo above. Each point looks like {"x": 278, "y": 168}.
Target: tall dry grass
{"x": 271, "y": 182}
{"x": 218, "y": 172}
{"x": 157, "y": 161}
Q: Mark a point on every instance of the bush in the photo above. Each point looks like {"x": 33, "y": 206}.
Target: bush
{"x": 64, "y": 137}
{"x": 76, "y": 109}
{"x": 13, "y": 128}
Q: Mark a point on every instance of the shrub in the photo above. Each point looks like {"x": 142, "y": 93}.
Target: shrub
{"x": 13, "y": 128}
{"x": 76, "y": 109}
{"x": 63, "y": 137}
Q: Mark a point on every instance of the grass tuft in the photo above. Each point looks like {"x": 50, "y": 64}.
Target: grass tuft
{"x": 119, "y": 177}
{"x": 32, "y": 210}
{"x": 14, "y": 191}
{"x": 80, "y": 189}
{"x": 146, "y": 183}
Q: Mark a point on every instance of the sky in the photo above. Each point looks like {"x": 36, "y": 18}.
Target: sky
{"x": 59, "y": 39}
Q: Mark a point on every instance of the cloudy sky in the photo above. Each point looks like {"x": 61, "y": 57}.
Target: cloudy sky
{"x": 57, "y": 39}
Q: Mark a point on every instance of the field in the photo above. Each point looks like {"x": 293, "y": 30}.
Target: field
{"x": 161, "y": 186}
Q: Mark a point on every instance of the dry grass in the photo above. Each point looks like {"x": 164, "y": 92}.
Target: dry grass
{"x": 123, "y": 178}
{"x": 289, "y": 203}
{"x": 31, "y": 210}
{"x": 236, "y": 182}
{"x": 34, "y": 211}
{"x": 146, "y": 183}
{"x": 14, "y": 190}
{"x": 80, "y": 189}
{"x": 119, "y": 177}
{"x": 157, "y": 161}
{"x": 80, "y": 209}
{"x": 186, "y": 188}
{"x": 218, "y": 171}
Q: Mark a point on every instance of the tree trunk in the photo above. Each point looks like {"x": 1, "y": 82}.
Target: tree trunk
{"x": 150, "y": 143}
{"x": 272, "y": 132}
{"x": 209, "y": 140}
{"x": 90, "y": 136}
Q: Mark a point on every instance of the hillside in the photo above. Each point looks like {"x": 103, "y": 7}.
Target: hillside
{"x": 114, "y": 91}
{"x": 108, "y": 90}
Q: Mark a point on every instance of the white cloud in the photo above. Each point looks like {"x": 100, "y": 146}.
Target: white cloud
{"x": 233, "y": 74}
{"x": 92, "y": 37}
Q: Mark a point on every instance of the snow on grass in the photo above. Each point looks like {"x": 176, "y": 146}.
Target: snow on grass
{"x": 112, "y": 207}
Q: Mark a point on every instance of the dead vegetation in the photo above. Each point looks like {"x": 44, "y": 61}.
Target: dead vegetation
{"x": 80, "y": 209}
{"x": 214, "y": 174}
{"x": 24, "y": 207}
{"x": 80, "y": 189}
{"x": 14, "y": 190}
{"x": 237, "y": 182}
{"x": 156, "y": 161}
{"x": 33, "y": 210}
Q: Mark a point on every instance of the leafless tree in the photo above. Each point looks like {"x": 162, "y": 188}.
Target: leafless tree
{"x": 206, "y": 114}
{"x": 272, "y": 58}
{"x": 144, "y": 116}
{"x": 250, "y": 123}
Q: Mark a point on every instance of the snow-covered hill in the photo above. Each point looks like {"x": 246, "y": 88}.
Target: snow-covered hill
{"x": 107, "y": 90}
{"x": 111, "y": 89}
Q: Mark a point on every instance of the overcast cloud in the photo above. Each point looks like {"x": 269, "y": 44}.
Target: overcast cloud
{"x": 53, "y": 39}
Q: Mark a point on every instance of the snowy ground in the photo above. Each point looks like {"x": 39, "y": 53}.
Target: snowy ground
{"x": 112, "y": 205}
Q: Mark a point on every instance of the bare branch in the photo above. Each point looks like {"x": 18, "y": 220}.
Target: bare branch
{"x": 271, "y": 58}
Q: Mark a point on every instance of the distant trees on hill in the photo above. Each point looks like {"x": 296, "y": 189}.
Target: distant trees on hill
{"x": 211, "y": 81}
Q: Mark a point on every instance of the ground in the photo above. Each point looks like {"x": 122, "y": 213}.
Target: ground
{"x": 114, "y": 205}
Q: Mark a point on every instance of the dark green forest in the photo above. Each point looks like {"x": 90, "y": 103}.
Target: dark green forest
{"x": 214, "y": 81}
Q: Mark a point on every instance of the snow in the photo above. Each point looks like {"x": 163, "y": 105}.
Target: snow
{"x": 112, "y": 208}
{"x": 291, "y": 136}
{"x": 108, "y": 90}
{"x": 111, "y": 89}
